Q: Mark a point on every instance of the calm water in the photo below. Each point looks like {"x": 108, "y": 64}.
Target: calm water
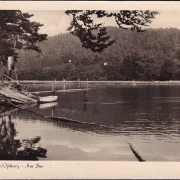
{"x": 148, "y": 117}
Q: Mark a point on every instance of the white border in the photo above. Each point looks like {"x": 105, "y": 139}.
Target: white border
{"x": 91, "y": 170}
{"x": 106, "y": 5}
{"x": 94, "y": 169}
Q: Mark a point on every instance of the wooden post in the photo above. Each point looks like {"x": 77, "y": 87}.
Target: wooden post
{"x": 53, "y": 92}
{"x": 85, "y": 100}
{"x": 137, "y": 155}
{"x": 15, "y": 70}
{"x": 10, "y": 64}
{"x": 85, "y": 95}
{"x": 52, "y": 111}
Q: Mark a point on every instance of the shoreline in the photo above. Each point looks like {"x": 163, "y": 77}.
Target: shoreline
{"x": 103, "y": 82}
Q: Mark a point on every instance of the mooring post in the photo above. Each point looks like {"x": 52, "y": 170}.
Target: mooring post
{"x": 53, "y": 92}
{"x": 85, "y": 95}
{"x": 85, "y": 100}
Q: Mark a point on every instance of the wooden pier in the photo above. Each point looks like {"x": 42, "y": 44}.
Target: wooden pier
{"x": 103, "y": 82}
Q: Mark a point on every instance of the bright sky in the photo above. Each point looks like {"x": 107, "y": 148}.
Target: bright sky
{"x": 56, "y": 21}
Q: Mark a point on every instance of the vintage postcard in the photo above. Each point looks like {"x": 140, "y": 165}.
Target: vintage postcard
{"x": 89, "y": 90}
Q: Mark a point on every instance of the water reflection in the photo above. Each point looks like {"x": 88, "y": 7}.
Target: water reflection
{"x": 12, "y": 148}
{"x": 48, "y": 105}
{"x": 85, "y": 100}
{"x": 126, "y": 110}
{"x": 148, "y": 117}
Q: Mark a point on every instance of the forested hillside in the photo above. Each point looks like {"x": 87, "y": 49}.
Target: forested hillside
{"x": 149, "y": 55}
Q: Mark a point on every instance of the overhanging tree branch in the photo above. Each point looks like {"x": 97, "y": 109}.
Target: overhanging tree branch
{"x": 94, "y": 35}
{"x": 16, "y": 28}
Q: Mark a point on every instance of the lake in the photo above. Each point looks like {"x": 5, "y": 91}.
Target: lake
{"x": 146, "y": 116}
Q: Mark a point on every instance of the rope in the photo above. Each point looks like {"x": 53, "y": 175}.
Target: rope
{"x": 12, "y": 80}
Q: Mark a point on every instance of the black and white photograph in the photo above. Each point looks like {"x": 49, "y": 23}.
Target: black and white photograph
{"x": 90, "y": 85}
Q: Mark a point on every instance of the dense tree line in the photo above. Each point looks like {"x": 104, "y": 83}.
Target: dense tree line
{"x": 149, "y": 55}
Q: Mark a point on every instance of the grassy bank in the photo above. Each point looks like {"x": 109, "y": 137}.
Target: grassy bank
{"x": 104, "y": 82}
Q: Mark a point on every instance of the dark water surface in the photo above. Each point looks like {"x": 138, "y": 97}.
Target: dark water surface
{"x": 148, "y": 117}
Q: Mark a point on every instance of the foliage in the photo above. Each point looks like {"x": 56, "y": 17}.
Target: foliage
{"x": 138, "y": 66}
{"x": 169, "y": 70}
{"x": 94, "y": 35}
{"x": 18, "y": 32}
{"x": 134, "y": 56}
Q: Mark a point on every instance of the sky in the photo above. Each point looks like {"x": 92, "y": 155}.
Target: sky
{"x": 56, "y": 21}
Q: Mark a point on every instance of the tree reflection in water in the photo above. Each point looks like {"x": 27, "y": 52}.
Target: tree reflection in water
{"x": 14, "y": 149}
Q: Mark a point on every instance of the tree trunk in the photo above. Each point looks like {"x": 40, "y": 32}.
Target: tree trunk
{"x": 10, "y": 73}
